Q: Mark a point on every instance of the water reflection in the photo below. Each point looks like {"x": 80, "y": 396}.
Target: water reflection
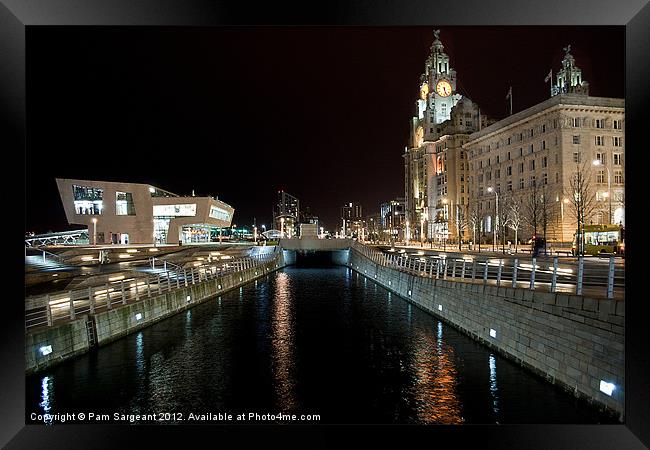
{"x": 282, "y": 344}
{"x": 46, "y": 398}
{"x": 493, "y": 385}
{"x": 435, "y": 389}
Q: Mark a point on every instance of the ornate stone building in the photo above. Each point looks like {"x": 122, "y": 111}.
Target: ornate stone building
{"x": 437, "y": 96}
{"x": 534, "y": 157}
{"x": 434, "y": 164}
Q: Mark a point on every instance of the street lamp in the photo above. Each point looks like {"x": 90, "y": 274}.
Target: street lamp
{"x": 598, "y": 162}
{"x": 445, "y": 218}
{"x": 496, "y": 218}
{"x": 421, "y": 231}
{"x": 94, "y": 230}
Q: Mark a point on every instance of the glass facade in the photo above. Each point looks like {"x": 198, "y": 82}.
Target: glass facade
{"x": 124, "y": 204}
{"x": 218, "y": 213}
{"x": 160, "y": 229}
{"x": 87, "y": 200}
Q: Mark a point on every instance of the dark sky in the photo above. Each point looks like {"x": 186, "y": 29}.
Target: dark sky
{"x": 239, "y": 113}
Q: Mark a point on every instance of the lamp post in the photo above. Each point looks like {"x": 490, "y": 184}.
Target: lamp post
{"x": 445, "y": 218}
{"x": 94, "y": 230}
{"x": 407, "y": 234}
{"x": 421, "y": 231}
{"x": 598, "y": 162}
{"x": 496, "y": 218}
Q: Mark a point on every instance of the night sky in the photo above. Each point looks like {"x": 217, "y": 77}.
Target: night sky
{"x": 239, "y": 113}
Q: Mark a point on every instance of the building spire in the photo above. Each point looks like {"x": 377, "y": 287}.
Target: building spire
{"x": 569, "y": 78}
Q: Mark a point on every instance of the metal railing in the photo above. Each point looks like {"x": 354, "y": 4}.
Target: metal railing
{"x": 601, "y": 278}
{"x": 53, "y": 309}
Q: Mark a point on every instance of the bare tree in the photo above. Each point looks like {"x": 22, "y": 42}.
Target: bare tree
{"x": 582, "y": 200}
{"x": 532, "y": 207}
{"x": 515, "y": 217}
{"x": 547, "y": 211}
{"x": 462, "y": 222}
{"x": 474, "y": 221}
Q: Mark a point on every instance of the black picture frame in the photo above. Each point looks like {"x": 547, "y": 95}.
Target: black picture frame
{"x": 16, "y": 15}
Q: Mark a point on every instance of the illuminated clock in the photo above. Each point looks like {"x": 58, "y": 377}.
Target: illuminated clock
{"x": 424, "y": 91}
{"x": 443, "y": 88}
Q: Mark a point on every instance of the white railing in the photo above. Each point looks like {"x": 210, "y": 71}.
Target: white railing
{"x": 599, "y": 278}
{"x": 56, "y": 308}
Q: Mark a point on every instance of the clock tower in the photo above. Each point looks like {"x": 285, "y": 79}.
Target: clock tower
{"x": 441, "y": 92}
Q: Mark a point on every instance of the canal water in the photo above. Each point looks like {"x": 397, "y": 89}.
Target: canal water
{"x": 312, "y": 341}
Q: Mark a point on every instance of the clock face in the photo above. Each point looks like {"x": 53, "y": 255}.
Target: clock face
{"x": 424, "y": 91}
{"x": 443, "y": 88}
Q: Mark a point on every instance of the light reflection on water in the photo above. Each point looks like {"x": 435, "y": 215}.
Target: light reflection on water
{"x": 282, "y": 342}
{"x": 46, "y": 393}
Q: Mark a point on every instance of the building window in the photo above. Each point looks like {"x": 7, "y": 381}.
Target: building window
{"x": 600, "y": 157}
{"x": 600, "y": 123}
{"x": 618, "y": 177}
{"x": 87, "y": 200}
{"x": 497, "y": 159}
{"x": 531, "y": 164}
{"x": 497, "y": 173}
{"x": 557, "y": 158}
{"x": 543, "y": 145}
{"x": 509, "y": 170}
{"x": 544, "y": 178}
{"x": 508, "y": 141}
{"x": 617, "y": 159}
{"x": 575, "y": 122}
{"x": 521, "y": 152}
{"x": 509, "y": 186}
{"x": 508, "y": 156}
{"x": 576, "y": 139}
{"x": 600, "y": 140}
{"x": 576, "y": 157}
{"x": 532, "y": 181}
{"x": 557, "y": 177}
{"x": 543, "y": 128}
{"x": 600, "y": 176}
{"x": 617, "y": 124}
{"x": 544, "y": 161}
{"x": 616, "y": 141}
{"x": 124, "y": 204}
{"x": 521, "y": 167}
{"x": 530, "y": 148}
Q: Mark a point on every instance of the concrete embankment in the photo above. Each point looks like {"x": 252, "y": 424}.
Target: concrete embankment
{"x": 573, "y": 341}
{"x": 78, "y": 336}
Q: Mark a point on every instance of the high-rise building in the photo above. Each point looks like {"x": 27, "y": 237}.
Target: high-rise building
{"x": 561, "y": 155}
{"x": 393, "y": 219}
{"x": 352, "y": 220}
{"x": 285, "y": 214}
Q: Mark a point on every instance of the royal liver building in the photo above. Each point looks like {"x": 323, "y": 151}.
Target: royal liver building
{"x": 434, "y": 166}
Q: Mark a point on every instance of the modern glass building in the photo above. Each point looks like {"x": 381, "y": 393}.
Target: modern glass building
{"x": 135, "y": 213}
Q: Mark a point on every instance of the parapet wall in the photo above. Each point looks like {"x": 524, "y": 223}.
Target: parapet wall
{"x": 573, "y": 341}
{"x": 73, "y": 338}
